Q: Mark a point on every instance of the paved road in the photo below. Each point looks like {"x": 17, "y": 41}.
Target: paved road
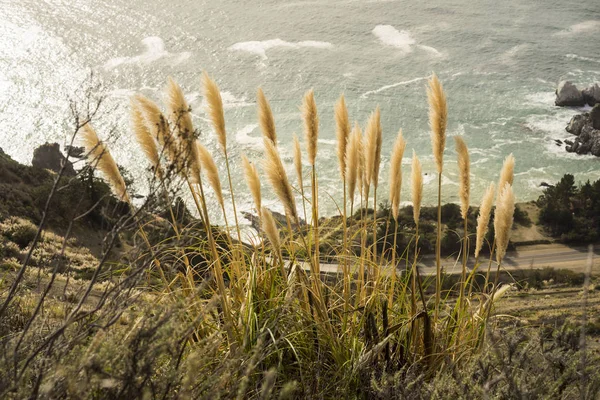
{"x": 534, "y": 256}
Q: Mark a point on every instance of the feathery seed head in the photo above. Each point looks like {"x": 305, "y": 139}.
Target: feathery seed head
{"x": 311, "y": 125}
{"x": 464, "y": 170}
{"x": 144, "y": 138}
{"x": 343, "y": 130}
{"x": 396, "y": 173}
{"x": 270, "y": 228}
{"x": 507, "y": 172}
{"x": 253, "y": 182}
{"x": 372, "y": 148}
{"x": 298, "y": 160}
{"x": 352, "y": 161}
{"x": 265, "y": 117}
{"x": 215, "y": 108}
{"x": 157, "y": 124}
{"x": 503, "y": 220}
{"x": 100, "y": 158}
{"x": 278, "y": 179}
{"x": 179, "y": 111}
{"x": 362, "y": 168}
{"x": 438, "y": 119}
{"x": 211, "y": 171}
{"x": 416, "y": 186}
{"x": 483, "y": 218}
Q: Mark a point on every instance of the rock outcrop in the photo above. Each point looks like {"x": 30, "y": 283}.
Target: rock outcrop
{"x": 591, "y": 95}
{"x": 568, "y": 95}
{"x": 586, "y": 127}
{"x": 48, "y": 156}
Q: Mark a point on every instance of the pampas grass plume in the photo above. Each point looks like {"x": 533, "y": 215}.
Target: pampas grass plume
{"x": 464, "y": 170}
{"x": 215, "y": 108}
{"x": 396, "y": 173}
{"x": 352, "y": 160}
{"x": 507, "y": 172}
{"x": 101, "y": 158}
{"x": 483, "y": 218}
{"x": 265, "y": 117}
{"x": 270, "y": 228}
{"x": 278, "y": 179}
{"x": 373, "y": 148}
{"x": 503, "y": 219}
{"x": 298, "y": 160}
{"x": 180, "y": 111}
{"x": 253, "y": 182}
{"x": 416, "y": 186}
{"x": 155, "y": 121}
{"x": 211, "y": 171}
{"x": 311, "y": 125}
{"x": 343, "y": 130}
{"x": 144, "y": 138}
{"x": 438, "y": 119}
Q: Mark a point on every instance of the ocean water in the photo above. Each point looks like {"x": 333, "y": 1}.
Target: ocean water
{"x": 499, "y": 63}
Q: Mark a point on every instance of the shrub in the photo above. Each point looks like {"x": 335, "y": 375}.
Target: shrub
{"x": 18, "y": 230}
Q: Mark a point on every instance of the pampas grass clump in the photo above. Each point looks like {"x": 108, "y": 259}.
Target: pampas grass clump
{"x": 277, "y": 307}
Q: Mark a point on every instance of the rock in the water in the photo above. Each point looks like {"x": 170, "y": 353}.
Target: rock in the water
{"x": 567, "y": 94}
{"x": 591, "y": 95}
{"x": 595, "y": 140}
{"x": 576, "y": 123}
{"x": 595, "y": 116}
{"x": 569, "y": 142}
{"x": 48, "y": 156}
{"x": 584, "y": 147}
{"x": 586, "y": 133}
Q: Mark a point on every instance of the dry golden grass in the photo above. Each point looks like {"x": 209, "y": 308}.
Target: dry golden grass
{"x": 100, "y": 158}
{"x": 396, "y": 173}
{"x": 253, "y": 182}
{"x": 483, "y": 218}
{"x": 507, "y": 172}
{"x": 278, "y": 179}
{"x": 353, "y": 161}
{"x": 215, "y": 108}
{"x": 503, "y": 220}
{"x": 464, "y": 170}
{"x": 145, "y": 139}
{"x": 311, "y": 125}
{"x": 342, "y": 133}
{"x": 265, "y": 117}
{"x": 438, "y": 119}
{"x": 212, "y": 172}
{"x": 416, "y": 187}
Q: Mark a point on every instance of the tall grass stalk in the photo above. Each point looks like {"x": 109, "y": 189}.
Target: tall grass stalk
{"x": 438, "y": 119}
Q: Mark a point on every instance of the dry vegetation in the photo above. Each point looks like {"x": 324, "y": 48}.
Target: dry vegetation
{"x": 191, "y": 312}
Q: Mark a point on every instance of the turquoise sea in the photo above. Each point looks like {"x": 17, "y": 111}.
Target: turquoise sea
{"x": 499, "y": 63}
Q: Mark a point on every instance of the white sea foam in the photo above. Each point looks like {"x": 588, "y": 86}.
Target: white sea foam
{"x": 243, "y": 137}
{"x": 393, "y": 85}
{"x": 230, "y": 101}
{"x": 582, "y": 27}
{"x": 576, "y": 57}
{"x": 260, "y": 47}
{"x": 391, "y": 36}
{"x": 155, "y": 50}
{"x": 541, "y": 98}
{"x": 402, "y": 40}
{"x": 431, "y": 50}
{"x": 327, "y": 141}
{"x": 508, "y": 57}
